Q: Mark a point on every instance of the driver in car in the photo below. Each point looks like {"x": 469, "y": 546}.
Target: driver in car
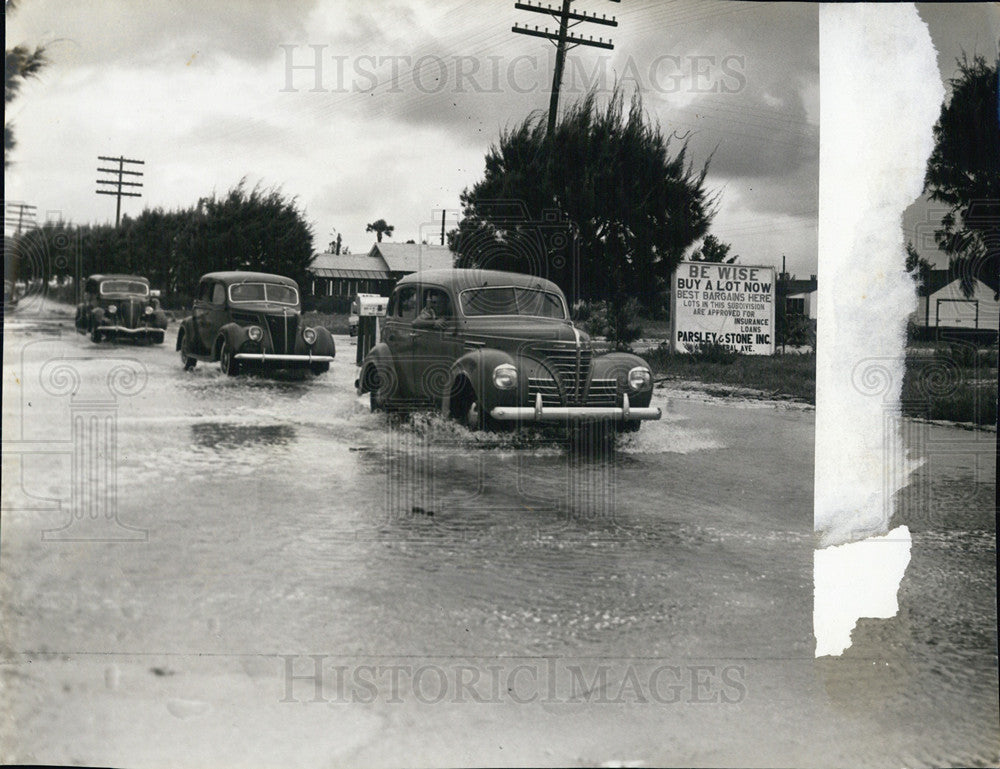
{"x": 435, "y": 307}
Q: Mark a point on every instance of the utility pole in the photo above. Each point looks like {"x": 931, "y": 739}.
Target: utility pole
{"x": 118, "y": 183}
{"x": 443, "y": 212}
{"x": 564, "y": 40}
{"x": 22, "y": 211}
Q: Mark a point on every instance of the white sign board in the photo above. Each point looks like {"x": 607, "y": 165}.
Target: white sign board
{"x": 727, "y": 304}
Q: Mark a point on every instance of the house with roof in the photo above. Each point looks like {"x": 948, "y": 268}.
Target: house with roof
{"x": 942, "y": 305}
{"x": 344, "y": 275}
{"x": 797, "y": 295}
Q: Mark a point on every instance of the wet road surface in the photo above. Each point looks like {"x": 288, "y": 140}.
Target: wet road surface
{"x": 197, "y": 567}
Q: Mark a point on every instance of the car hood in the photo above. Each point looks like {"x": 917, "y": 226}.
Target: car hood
{"x": 516, "y": 331}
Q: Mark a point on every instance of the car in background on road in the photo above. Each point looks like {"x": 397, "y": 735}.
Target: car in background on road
{"x": 490, "y": 348}
{"x": 252, "y": 321}
{"x": 121, "y": 307}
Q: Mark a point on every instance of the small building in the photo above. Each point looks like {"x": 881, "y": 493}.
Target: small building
{"x": 796, "y": 295}
{"x": 942, "y": 305}
{"x": 344, "y": 275}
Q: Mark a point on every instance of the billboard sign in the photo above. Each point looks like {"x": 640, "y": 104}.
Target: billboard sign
{"x": 726, "y": 304}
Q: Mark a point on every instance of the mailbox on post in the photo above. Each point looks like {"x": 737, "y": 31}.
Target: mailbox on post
{"x": 369, "y": 308}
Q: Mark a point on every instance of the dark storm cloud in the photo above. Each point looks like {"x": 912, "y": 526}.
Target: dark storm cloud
{"x": 738, "y": 76}
{"x": 154, "y": 34}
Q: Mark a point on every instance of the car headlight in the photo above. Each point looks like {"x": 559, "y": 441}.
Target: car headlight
{"x": 256, "y": 333}
{"x": 309, "y": 335}
{"x": 639, "y": 378}
{"x": 505, "y": 376}
{"x": 149, "y": 310}
{"x": 112, "y": 309}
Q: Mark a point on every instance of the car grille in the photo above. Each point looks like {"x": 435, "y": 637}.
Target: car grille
{"x": 602, "y": 392}
{"x": 547, "y": 387}
{"x": 245, "y": 318}
{"x": 129, "y": 311}
{"x": 283, "y": 329}
{"x": 571, "y": 364}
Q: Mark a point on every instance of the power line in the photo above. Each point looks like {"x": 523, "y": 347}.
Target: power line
{"x": 22, "y": 211}
{"x": 119, "y": 183}
{"x": 564, "y": 40}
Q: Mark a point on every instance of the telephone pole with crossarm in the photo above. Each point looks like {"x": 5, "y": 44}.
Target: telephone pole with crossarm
{"x": 119, "y": 183}
{"x": 564, "y": 40}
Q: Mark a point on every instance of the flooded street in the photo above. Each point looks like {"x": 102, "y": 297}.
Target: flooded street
{"x": 260, "y": 571}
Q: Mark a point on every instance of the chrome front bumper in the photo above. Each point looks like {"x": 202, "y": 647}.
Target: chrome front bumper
{"x": 126, "y": 330}
{"x": 264, "y": 357}
{"x": 540, "y": 413}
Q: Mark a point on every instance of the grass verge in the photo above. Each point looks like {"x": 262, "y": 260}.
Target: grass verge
{"x": 939, "y": 387}
{"x": 791, "y": 376}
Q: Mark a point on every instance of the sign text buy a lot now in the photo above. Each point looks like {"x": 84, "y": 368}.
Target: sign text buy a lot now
{"x": 723, "y": 304}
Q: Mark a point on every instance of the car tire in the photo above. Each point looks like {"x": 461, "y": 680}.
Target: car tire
{"x": 95, "y": 334}
{"x": 471, "y": 412}
{"x": 227, "y": 360}
{"x": 378, "y": 399}
{"x": 186, "y": 359}
{"x": 632, "y": 426}
{"x": 319, "y": 368}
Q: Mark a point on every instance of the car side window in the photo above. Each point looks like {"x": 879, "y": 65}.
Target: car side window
{"x": 219, "y": 294}
{"x": 435, "y": 305}
{"x": 205, "y": 291}
{"x": 406, "y": 302}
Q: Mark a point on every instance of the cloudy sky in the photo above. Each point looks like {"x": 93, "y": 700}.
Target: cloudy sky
{"x": 386, "y": 110}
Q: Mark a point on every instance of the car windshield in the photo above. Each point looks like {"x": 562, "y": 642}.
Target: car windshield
{"x": 124, "y": 287}
{"x": 509, "y": 300}
{"x": 263, "y": 292}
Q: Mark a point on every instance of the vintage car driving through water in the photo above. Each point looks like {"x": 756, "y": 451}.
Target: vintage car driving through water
{"x": 252, "y": 320}
{"x": 490, "y": 347}
{"x": 120, "y": 307}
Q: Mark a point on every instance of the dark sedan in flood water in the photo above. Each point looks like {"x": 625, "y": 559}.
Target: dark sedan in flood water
{"x": 248, "y": 320}
{"x": 120, "y": 307}
{"x": 490, "y": 347}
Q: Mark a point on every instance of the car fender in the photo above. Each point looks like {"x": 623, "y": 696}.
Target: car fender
{"x": 616, "y": 365}
{"x": 323, "y": 345}
{"x": 233, "y": 334}
{"x": 380, "y": 359}
{"x": 159, "y": 318}
{"x": 97, "y": 315}
{"x": 477, "y": 367}
{"x": 186, "y": 329}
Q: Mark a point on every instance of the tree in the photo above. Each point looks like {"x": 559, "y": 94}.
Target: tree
{"x": 918, "y": 267}
{"x": 259, "y": 229}
{"x": 964, "y": 173}
{"x": 601, "y": 207}
{"x": 380, "y": 228}
{"x": 21, "y": 63}
{"x": 714, "y": 250}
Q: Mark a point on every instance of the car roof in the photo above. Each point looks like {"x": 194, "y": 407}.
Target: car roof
{"x": 461, "y": 279}
{"x": 235, "y": 276}
{"x": 119, "y": 276}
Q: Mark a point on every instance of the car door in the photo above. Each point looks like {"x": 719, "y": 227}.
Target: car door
{"x": 208, "y": 308}
{"x": 436, "y": 344}
{"x": 398, "y": 334}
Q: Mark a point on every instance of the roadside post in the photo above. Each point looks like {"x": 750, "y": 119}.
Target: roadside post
{"x": 371, "y": 307}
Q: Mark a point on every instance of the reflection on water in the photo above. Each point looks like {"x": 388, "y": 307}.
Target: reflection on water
{"x": 221, "y": 435}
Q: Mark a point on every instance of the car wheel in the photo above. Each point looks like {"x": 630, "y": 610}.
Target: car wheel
{"x": 186, "y": 359}
{"x": 377, "y": 386}
{"x": 319, "y": 368}
{"x": 95, "y": 334}
{"x": 632, "y": 426}
{"x": 474, "y": 414}
{"x": 227, "y": 361}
